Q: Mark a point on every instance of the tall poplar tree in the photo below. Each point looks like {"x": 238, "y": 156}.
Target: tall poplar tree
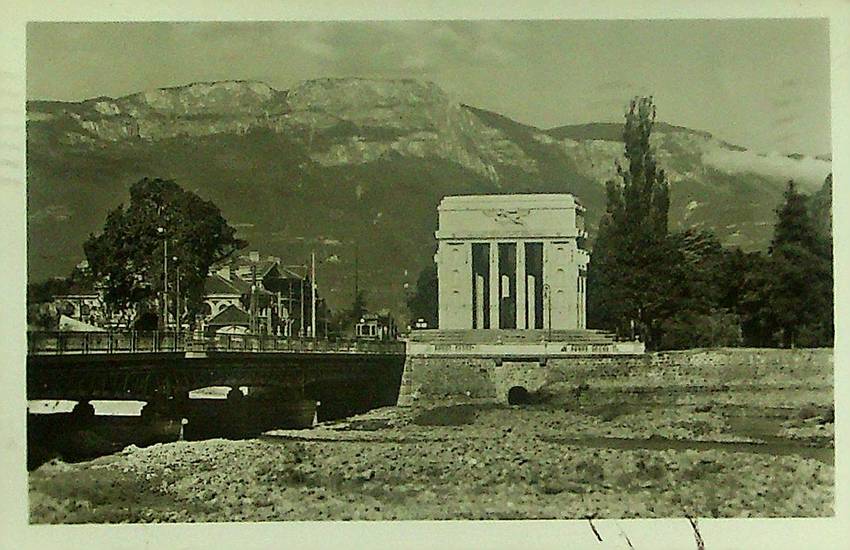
{"x": 634, "y": 272}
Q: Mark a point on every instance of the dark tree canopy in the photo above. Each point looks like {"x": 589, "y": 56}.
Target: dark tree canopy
{"x": 423, "y": 302}
{"x": 127, "y": 257}
{"x": 800, "y": 282}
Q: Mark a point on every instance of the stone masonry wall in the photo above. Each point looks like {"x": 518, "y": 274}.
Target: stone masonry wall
{"x": 776, "y": 377}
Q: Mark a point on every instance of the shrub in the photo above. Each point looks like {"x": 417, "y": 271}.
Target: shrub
{"x": 692, "y": 330}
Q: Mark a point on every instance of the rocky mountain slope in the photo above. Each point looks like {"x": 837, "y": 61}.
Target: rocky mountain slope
{"x": 338, "y": 165}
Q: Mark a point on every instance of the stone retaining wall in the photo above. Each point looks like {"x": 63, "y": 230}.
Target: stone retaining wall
{"x": 777, "y": 377}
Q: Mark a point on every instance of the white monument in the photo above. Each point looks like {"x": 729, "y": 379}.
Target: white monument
{"x": 512, "y": 262}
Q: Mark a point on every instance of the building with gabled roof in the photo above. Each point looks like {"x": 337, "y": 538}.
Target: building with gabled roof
{"x": 272, "y": 295}
{"x": 230, "y": 320}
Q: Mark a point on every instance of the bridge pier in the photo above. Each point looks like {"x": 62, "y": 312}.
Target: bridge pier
{"x": 155, "y": 408}
{"x": 235, "y": 395}
{"x": 171, "y": 406}
{"x": 239, "y": 415}
{"x": 83, "y": 410}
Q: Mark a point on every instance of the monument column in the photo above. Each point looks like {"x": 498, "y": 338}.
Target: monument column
{"x": 495, "y": 297}
{"x": 520, "y": 285}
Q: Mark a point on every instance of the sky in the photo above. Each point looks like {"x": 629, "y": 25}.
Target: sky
{"x": 761, "y": 84}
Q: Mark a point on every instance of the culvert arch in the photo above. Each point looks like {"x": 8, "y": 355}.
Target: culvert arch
{"x": 518, "y": 395}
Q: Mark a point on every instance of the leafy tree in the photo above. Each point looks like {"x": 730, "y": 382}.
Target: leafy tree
{"x": 78, "y": 282}
{"x": 800, "y": 287}
{"x": 44, "y": 291}
{"x": 705, "y": 313}
{"x": 746, "y": 277}
{"x": 423, "y": 302}
{"x": 690, "y": 329}
{"x": 635, "y": 271}
{"x": 702, "y": 262}
{"x": 127, "y": 256}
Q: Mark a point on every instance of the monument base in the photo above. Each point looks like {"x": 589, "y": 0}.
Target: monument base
{"x": 486, "y": 364}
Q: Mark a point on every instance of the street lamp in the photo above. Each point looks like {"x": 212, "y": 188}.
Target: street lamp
{"x": 177, "y": 298}
{"x": 301, "y": 285}
{"x": 161, "y": 231}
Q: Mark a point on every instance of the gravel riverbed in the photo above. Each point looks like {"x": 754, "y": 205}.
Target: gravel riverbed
{"x": 458, "y": 462}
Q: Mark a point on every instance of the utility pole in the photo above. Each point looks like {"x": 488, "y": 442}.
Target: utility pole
{"x": 290, "y": 310}
{"x": 313, "y": 295}
{"x": 253, "y": 299}
{"x": 301, "y": 330}
{"x": 279, "y": 312}
{"x": 356, "y": 269}
{"x": 161, "y": 231}
{"x": 177, "y": 299}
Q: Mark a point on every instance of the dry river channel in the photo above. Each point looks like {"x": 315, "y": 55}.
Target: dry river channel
{"x": 465, "y": 461}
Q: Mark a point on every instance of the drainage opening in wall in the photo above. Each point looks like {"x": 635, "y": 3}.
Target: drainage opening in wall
{"x": 518, "y": 395}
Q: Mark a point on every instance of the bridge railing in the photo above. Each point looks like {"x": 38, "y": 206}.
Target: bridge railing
{"x": 68, "y": 342}
{"x": 65, "y": 342}
{"x": 271, "y": 343}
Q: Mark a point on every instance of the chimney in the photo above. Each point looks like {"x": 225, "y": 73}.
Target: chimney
{"x": 254, "y": 256}
{"x": 224, "y": 272}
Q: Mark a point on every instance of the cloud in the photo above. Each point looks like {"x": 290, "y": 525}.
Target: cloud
{"x": 807, "y": 171}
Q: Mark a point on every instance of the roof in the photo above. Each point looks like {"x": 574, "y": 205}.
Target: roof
{"x": 70, "y": 324}
{"x": 263, "y": 266}
{"x": 287, "y": 273}
{"x": 85, "y": 296}
{"x": 524, "y": 200}
{"x": 383, "y": 315}
{"x": 216, "y": 284}
{"x": 231, "y": 315}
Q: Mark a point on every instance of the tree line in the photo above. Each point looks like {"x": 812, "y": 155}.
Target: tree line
{"x": 684, "y": 289}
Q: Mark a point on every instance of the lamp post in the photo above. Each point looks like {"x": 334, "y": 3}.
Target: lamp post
{"x": 161, "y": 231}
{"x": 301, "y": 329}
{"x": 313, "y": 295}
{"x": 301, "y": 286}
{"x": 547, "y": 292}
{"x": 177, "y": 315}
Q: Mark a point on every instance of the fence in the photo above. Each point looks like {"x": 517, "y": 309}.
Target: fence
{"x": 58, "y": 343}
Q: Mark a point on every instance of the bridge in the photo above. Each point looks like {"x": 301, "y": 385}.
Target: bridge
{"x": 163, "y": 367}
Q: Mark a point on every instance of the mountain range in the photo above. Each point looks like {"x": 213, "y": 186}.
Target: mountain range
{"x": 354, "y": 169}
